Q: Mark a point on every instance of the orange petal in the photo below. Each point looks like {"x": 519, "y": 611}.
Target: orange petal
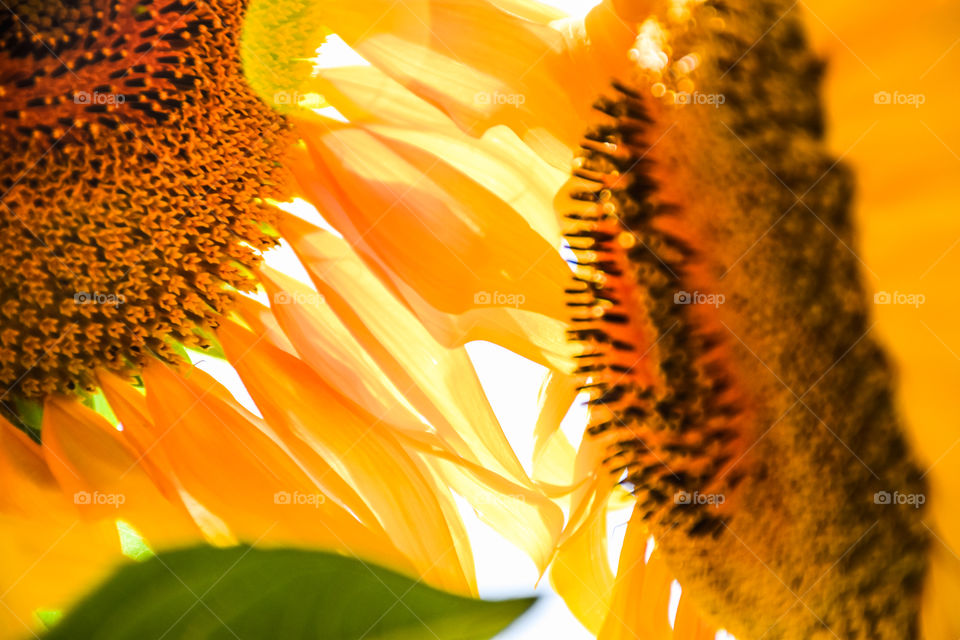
{"x": 440, "y": 231}
{"x": 641, "y": 593}
{"x": 462, "y": 55}
{"x": 290, "y": 394}
{"x": 49, "y": 556}
{"x": 262, "y": 322}
{"x": 222, "y": 456}
{"x": 321, "y": 339}
{"x": 130, "y": 407}
{"x": 439, "y": 383}
{"x": 532, "y": 335}
{"x": 498, "y": 161}
{"x": 688, "y": 624}
{"x": 102, "y": 473}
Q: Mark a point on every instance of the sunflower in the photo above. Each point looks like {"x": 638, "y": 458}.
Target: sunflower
{"x": 716, "y": 320}
{"x": 138, "y": 180}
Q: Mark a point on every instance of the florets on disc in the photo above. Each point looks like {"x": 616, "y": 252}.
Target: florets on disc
{"x": 135, "y": 164}
{"x": 726, "y": 336}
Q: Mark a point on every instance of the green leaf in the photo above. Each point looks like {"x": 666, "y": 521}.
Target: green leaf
{"x": 291, "y": 594}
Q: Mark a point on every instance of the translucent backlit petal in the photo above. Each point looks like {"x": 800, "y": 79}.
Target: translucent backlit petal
{"x": 49, "y": 556}
{"x": 532, "y": 335}
{"x": 641, "y": 593}
{"x": 331, "y": 350}
{"x": 462, "y": 55}
{"x": 438, "y": 229}
{"x": 439, "y": 383}
{"x": 357, "y": 446}
{"x": 580, "y": 572}
{"x": 553, "y": 455}
{"x": 94, "y": 464}
{"x": 222, "y": 456}
{"x": 366, "y": 95}
{"x": 523, "y": 515}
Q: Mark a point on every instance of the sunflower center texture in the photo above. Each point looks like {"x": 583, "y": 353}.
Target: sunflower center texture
{"x": 135, "y": 163}
{"x": 727, "y": 339}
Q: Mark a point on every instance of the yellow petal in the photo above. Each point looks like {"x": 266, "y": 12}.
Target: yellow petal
{"x": 553, "y": 455}
{"x": 439, "y": 383}
{"x": 489, "y": 63}
{"x": 594, "y": 485}
{"x": 223, "y": 457}
{"x": 49, "y": 556}
{"x": 580, "y": 572}
{"x": 435, "y": 227}
{"x": 451, "y": 511}
{"x": 94, "y": 465}
{"x": 529, "y": 334}
{"x": 641, "y": 593}
{"x": 357, "y": 447}
{"x": 688, "y": 624}
{"x": 521, "y": 514}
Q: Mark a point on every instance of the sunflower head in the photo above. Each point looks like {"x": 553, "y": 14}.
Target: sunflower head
{"x": 726, "y": 326}
{"x": 135, "y": 167}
